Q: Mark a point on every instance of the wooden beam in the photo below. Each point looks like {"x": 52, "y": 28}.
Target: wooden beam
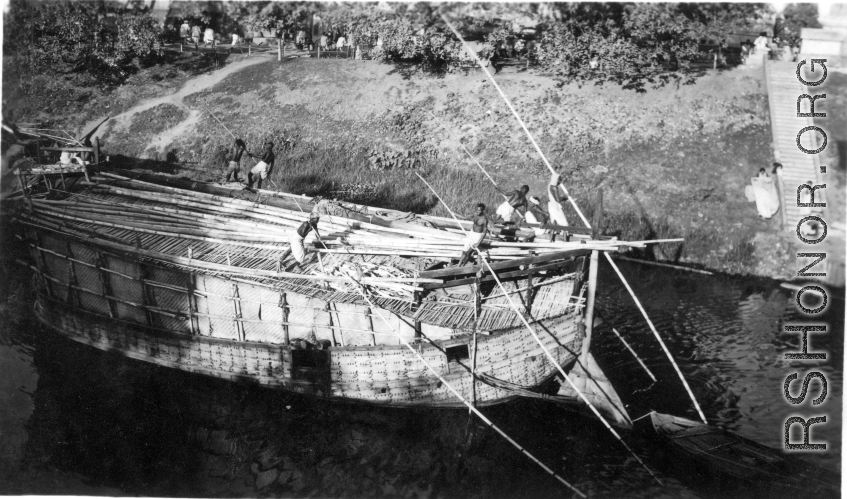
{"x": 504, "y": 276}
{"x": 473, "y": 269}
{"x": 239, "y": 327}
{"x": 72, "y": 276}
{"x": 283, "y": 305}
{"x": 43, "y": 267}
{"x": 193, "y": 326}
{"x": 69, "y": 149}
{"x": 104, "y": 284}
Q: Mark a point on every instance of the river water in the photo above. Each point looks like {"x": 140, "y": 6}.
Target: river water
{"x": 78, "y": 421}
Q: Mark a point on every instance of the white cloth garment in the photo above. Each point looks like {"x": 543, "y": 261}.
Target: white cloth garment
{"x": 530, "y": 218}
{"x": 473, "y": 240}
{"x": 767, "y": 199}
{"x": 298, "y": 250}
{"x": 261, "y": 168}
{"x": 506, "y": 211}
{"x": 557, "y": 213}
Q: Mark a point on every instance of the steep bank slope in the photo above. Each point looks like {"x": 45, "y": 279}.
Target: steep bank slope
{"x": 672, "y": 161}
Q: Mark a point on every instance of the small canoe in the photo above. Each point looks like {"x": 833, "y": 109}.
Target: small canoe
{"x": 732, "y": 458}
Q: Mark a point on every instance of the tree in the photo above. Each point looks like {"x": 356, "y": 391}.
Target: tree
{"x": 797, "y": 16}
{"x": 632, "y": 44}
{"x": 65, "y": 37}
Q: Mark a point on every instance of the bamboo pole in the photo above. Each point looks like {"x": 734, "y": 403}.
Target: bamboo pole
{"x": 547, "y": 352}
{"x": 589, "y": 305}
{"x": 257, "y": 272}
{"x": 649, "y": 373}
{"x": 465, "y": 401}
{"x": 584, "y": 220}
{"x": 662, "y": 264}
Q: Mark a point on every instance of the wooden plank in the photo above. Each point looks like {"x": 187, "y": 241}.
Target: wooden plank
{"x": 69, "y": 149}
{"x": 473, "y": 269}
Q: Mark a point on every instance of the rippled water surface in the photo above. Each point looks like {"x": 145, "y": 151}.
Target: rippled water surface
{"x": 76, "y": 420}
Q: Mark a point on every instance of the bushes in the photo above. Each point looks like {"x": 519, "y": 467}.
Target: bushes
{"x": 63, "y": 37}
{"x": 634, "y": 44}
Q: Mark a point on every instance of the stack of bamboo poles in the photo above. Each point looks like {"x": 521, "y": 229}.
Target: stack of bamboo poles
{"x": 358, "y": 237}
{"x": 238, "y": 237}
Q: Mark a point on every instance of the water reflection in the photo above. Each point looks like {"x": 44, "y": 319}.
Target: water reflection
{"x": 134, "y": 428}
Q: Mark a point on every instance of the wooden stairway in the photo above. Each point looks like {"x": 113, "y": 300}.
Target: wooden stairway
{"x": 798, "y": 167}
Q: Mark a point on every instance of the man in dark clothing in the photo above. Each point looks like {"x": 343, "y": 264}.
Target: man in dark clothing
{"x": 234, "y": 158}
{"x": 475, "y": 237}
{"x": 263, "y": 167}
{"x": 514, "y": 200}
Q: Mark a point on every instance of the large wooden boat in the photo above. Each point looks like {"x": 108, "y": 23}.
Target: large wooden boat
{"x": 199, "y": 277}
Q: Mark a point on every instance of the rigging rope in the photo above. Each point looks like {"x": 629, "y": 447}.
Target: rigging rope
{"x": 475, "y": 161}
{"x": 464, "y": 400}
{"x": 581, "y": 216}
{"x": 544, "y": 349}
{"x": 471, "y": 407}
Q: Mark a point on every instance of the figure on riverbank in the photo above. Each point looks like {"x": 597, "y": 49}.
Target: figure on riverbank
{"x": 263, "y": 167}
{"x": 556, "y": 201}
{"x": 234, "y": 158}
{"x": 514, "y": 200}
{"x": 195, "y": 34}
{"x": 298, "y": 249}
{"x": 476, "y": 235}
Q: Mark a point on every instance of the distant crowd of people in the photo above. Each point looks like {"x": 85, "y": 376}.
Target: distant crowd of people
{"x": 196, "y": 34}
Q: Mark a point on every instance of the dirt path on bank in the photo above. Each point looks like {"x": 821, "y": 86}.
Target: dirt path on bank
{"x": 164, "y": 138}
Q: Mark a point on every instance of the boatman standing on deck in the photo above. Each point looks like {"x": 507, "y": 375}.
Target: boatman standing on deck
{"x": 263, "y": 167}
{"x": 514, "y": 200}
{"x": 298, "y": 250}
{"x": 536, "y": 215}
{"x": 234, "y": 158}
{"x": 476, "y": 235}
{"x": 556, "y": 200}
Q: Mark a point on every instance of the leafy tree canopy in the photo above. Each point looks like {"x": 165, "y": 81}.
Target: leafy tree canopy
{"x": 64, "y": 36}
{"x": 636, "y": 43}
{"x": 795, "y": 17}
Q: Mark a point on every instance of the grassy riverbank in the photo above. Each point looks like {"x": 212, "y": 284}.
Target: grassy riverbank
{"x": 672, "y": 161}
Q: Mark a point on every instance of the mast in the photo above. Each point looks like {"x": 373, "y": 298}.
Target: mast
{"x": 592, "y": 274}
{"x": 589, "y": 302}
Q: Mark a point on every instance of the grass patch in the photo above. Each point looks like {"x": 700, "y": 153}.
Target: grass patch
{"x": 344, "y": 172}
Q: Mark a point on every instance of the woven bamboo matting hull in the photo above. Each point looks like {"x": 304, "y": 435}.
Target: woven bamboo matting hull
{"x": 178, "y": 300}
{"x": 386, "y": 375}
{"x": 128, "y": 288}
